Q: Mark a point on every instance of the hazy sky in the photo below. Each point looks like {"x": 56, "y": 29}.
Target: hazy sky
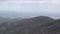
{"x": 30, "y": 5}
{"x": 47, "y": 7}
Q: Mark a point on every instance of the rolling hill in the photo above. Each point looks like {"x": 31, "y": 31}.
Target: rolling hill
{"x": 35, "y": 25}
{"x": 25, "y": 26}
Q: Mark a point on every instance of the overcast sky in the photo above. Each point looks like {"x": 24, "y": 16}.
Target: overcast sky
{"x": 30, "y": 5}
{"x": 48, "y": 7}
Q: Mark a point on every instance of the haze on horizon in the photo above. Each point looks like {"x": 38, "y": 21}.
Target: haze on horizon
{"x": 25, "y": 8}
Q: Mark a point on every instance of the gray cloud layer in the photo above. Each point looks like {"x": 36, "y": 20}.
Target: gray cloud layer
{"x": 33, "y": 8}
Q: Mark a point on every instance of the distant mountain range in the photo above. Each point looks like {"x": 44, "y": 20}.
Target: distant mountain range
{"x": 27, "y": 14}
{"x": 9, "y": 14}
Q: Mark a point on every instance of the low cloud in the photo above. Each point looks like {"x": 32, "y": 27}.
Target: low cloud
{"x": 47, "y": 7}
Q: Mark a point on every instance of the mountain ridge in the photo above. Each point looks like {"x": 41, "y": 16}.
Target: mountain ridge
{"x": 35, "y": 25}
